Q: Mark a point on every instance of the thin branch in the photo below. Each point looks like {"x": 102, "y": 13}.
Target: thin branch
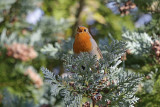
{"x": 79, "y": 10}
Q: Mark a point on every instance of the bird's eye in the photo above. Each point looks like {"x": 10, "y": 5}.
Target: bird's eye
{"x": 85, "y": 30}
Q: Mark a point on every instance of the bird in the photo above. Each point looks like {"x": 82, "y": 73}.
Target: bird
{"x": 84, "y": 42}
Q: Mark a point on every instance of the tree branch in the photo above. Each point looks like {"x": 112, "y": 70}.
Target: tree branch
{"x": 79, "y": 10}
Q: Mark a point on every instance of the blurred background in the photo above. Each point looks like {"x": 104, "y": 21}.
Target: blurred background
{"x": 31, "y": 28}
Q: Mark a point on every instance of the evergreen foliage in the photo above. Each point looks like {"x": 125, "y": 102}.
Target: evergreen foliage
{"x": 15, "y": 101}
{"x": 36, "y": 33}
{"x": 98, "y": 79}
{"x": 58, "y": 49}
{"x": 138, "y": 43}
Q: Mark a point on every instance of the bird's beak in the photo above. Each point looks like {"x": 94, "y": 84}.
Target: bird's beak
{"x": 79, "y": 29}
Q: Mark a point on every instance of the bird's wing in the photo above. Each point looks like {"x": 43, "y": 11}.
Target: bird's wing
{"x": 93, "y": 42}
{"x": 96, "y": 49}
{"x": 99, "y": 51}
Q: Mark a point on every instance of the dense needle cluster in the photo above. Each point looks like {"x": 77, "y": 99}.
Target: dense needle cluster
{"x": 106, "y": 85}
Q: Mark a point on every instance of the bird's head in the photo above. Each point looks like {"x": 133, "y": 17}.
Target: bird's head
{"x": 82, "y": 29}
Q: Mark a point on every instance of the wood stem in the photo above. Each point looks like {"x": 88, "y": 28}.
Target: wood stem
{"x": 79, "y": 10}
{"x": 93, "y": 102}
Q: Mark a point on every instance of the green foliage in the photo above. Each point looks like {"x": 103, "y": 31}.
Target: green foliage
{"x": 59, "y": 49}
{"x": 13, "y": 16}
{"x": 61, "y": 9}
{"x": 112, "y": 52}
{"x": 15, "y": 101}
{"x": 117, "y": 26}
{"x": 119, "y": 86}
{"x": 153, "y": 27}
{"x": 144, "y": 4}
{"x": 138, "y": 43}
{"x": 50, "y": 35}
{"x": 51, "y": 27}
{"x": 42, "y": 97}
{"x": 33, "y": 40}
{"x": 141, "y": 61}
{"x": 5, "y": 5}
{"x": 149, "y": 93}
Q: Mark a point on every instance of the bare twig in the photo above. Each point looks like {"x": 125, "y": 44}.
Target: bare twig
{"x": 79, "y": 10}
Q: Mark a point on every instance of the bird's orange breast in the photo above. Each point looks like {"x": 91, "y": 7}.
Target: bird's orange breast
{"x": 82, "y": 43}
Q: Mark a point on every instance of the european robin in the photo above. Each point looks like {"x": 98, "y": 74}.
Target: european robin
{"x": 84, "y": 42}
